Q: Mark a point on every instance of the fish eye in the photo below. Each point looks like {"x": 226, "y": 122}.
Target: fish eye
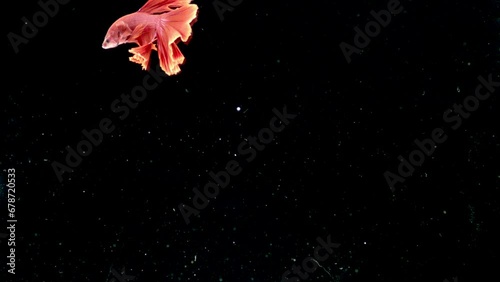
{"x": 107, "y": 40}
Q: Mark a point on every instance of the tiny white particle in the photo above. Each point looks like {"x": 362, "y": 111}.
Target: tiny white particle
{"x": 238, "y": 109}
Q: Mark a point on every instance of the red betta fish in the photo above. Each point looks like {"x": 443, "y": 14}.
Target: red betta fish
{"x": 162, "y": 21}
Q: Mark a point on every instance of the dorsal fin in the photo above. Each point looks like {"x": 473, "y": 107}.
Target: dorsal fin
{"x": 162, "y": 6}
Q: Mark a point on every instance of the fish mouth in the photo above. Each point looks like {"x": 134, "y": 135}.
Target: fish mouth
{"x": 108, "y": 44}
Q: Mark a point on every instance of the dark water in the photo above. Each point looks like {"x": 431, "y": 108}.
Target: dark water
{"x": 320, "y": 173}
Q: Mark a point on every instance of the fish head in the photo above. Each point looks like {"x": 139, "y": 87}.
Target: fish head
{"x": 117, "y": 34}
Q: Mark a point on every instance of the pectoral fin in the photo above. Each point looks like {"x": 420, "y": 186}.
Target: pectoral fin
{"x": 143, "y": 34}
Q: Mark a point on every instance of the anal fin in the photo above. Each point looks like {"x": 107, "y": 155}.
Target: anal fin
{"x": 142, "y": 54}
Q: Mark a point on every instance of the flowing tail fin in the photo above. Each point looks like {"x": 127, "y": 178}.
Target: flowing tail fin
{"x": 174, "y": 26}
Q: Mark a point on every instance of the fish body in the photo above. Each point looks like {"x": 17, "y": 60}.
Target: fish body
{"x": 158, "y": 25}
{"x": 122, "y": 30}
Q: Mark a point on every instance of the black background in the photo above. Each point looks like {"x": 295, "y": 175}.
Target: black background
{"x": 323, "y": 175}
